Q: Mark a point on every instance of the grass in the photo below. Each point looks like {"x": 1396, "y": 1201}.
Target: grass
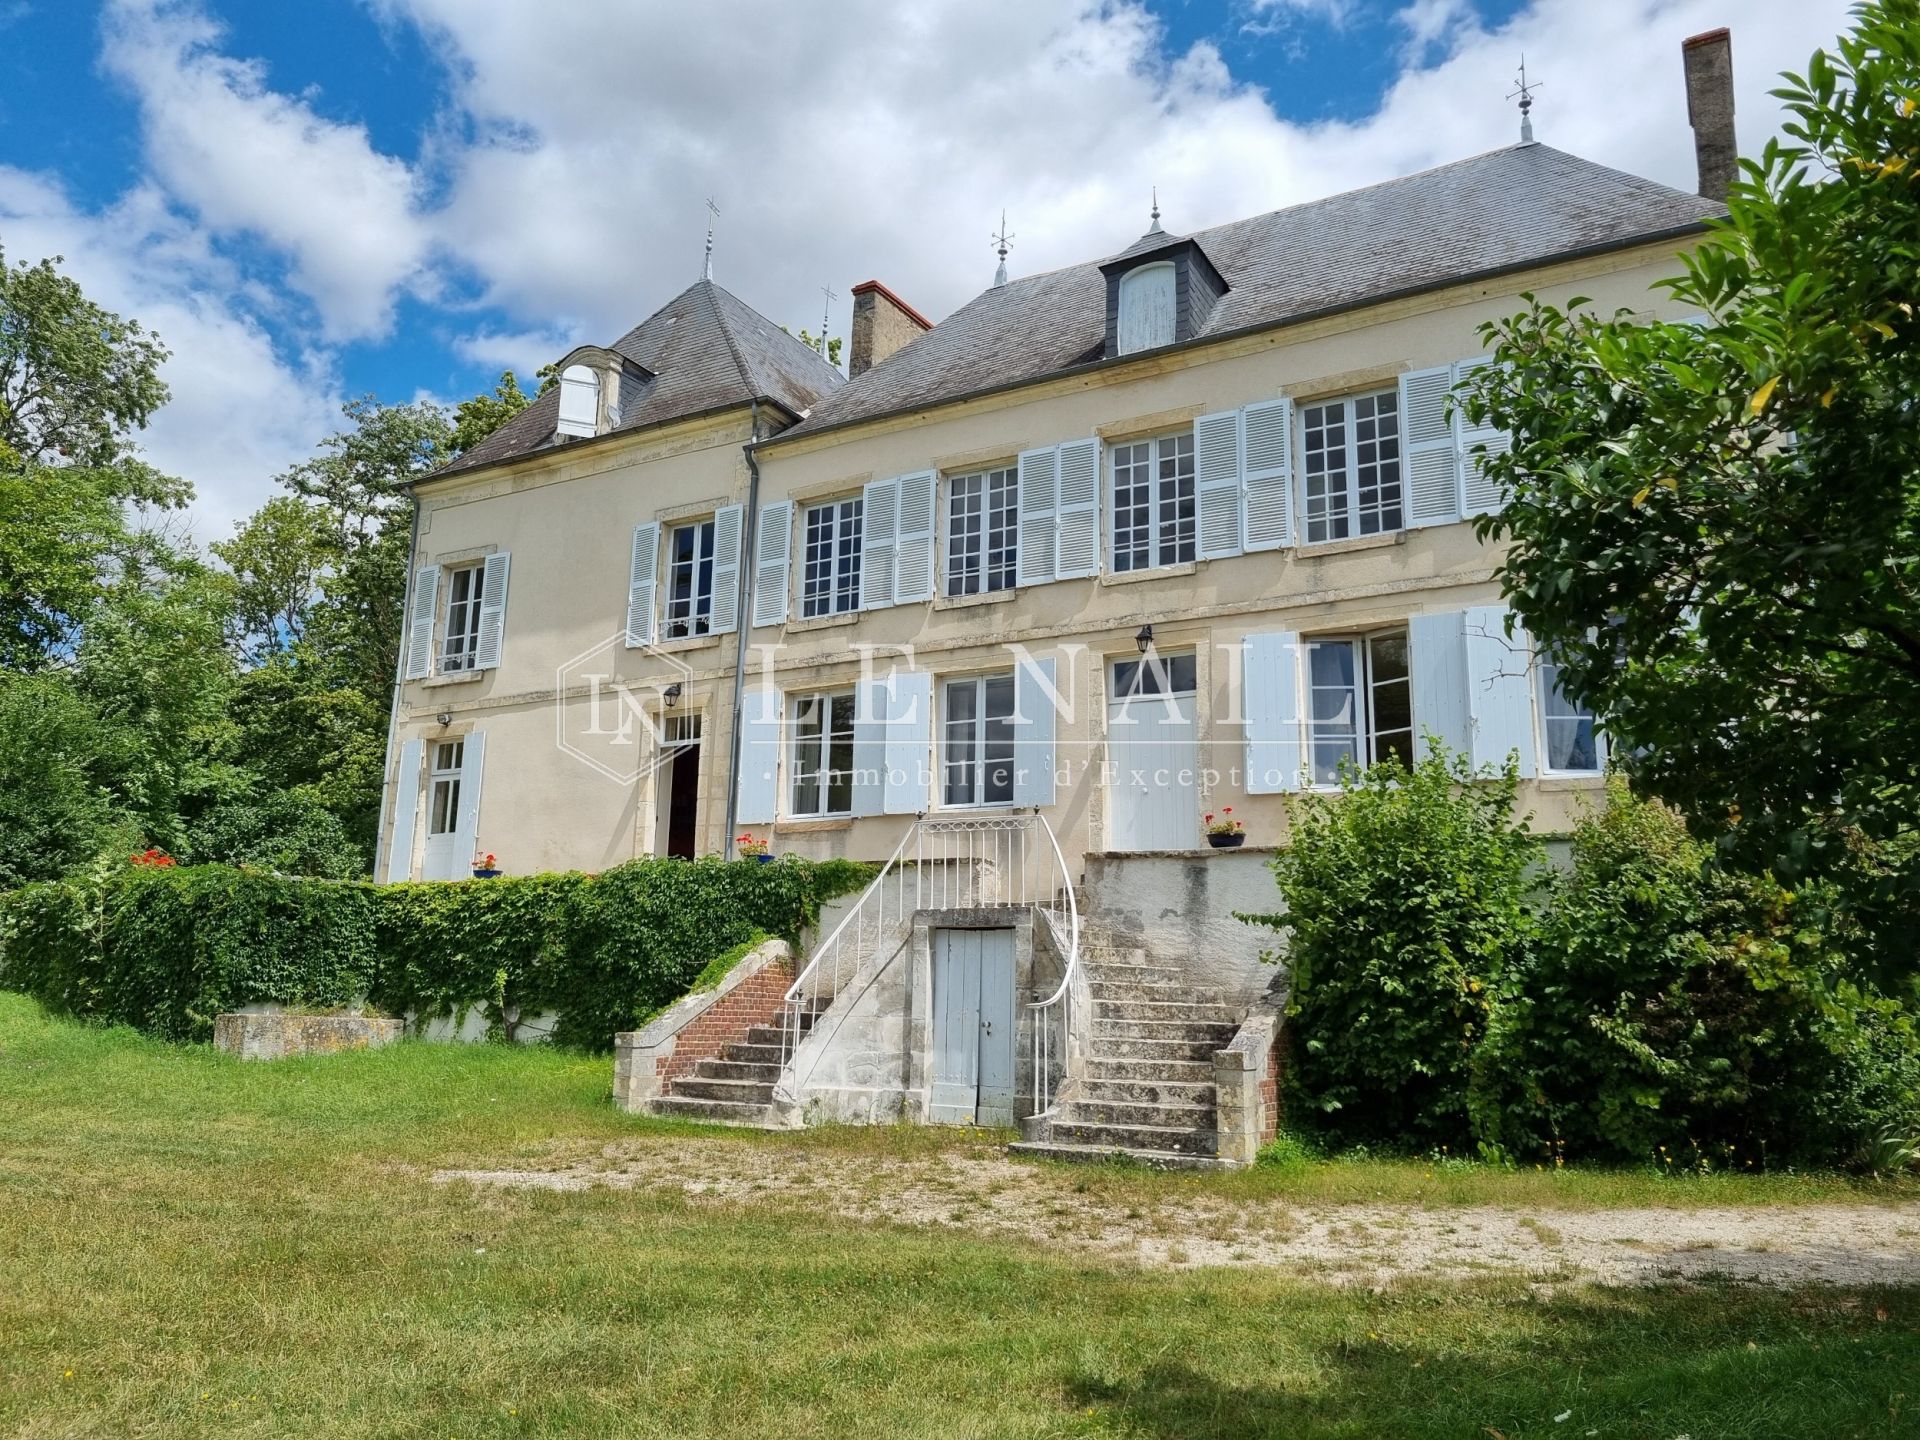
{"x": 189, "y": 1246}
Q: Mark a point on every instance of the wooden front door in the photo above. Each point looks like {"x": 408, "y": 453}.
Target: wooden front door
{"x": 973, "y": 1009}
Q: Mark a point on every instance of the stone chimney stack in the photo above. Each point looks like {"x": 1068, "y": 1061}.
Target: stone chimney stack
{"x": 882, "y": 323}
{"x": 1709, "y": 60}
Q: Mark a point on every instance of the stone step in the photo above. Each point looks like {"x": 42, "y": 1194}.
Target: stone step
{"x": 1135, "y": 974}
{"x": 725, "y": 1112}
{"x": 1151, "y": 1069}
{"x": 772, "y": 1034}
{"x": 744, "y": 1092}
{"x": 1152, "y": 1090}
{"x": 1094, "y": 953}
{"x": 756, "y": 1054}
{"x": 1155, "y": 990}
{"x": 1083, "y": 1154}
{"x": 1160, "y": 1116}
{"x": 1217, "y": 1033}
{"x": 1212, "y": 1011}
{"x": 710, "y": 1068}
{"x": 1135, "y": 1137}
{"x": 1135, "y": 1047}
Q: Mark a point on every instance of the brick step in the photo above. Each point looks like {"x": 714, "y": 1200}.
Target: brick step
{"x": 1212, "y": 1011}
{"x": 725, "y": 1112}
{"x": 1217, "y": 1033}
{"x": 705, "y": 1087}
{"x": 711, "y": 1068}
{"x": 1179, "y": 1139}
{"x": 1151, "y": 1069}
{"x": 1096, "y": 1154}
{"x": 1151, "y": 1090}
{"x": 1158, "y": 1116}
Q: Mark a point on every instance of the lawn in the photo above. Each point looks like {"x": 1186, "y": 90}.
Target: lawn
{"x": 189, "y": 1246}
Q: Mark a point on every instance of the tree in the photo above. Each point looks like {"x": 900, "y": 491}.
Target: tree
{"x": 475, "y": 419}
{"x": 275, "y": 563}
{"x": 1715, "y": 528}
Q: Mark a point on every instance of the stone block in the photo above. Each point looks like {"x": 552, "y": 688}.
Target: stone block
{"x": 276, "y": 1035}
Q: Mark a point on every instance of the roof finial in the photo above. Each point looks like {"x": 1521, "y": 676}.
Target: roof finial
{"x": 1524, "y": 89}
{"x": 706, "y": 270}
{"x": 1000, "y": 240}
{"x": 1154, "y": 229}
{"x": 826, "y": 312}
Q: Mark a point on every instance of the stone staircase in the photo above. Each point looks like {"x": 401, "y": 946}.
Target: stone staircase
{"x": 736, "y": 1086}
{"x": 1147, "y": 1088}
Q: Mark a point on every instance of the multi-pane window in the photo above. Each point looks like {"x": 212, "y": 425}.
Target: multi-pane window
{"x": 1153, "y": 503}
{"x": 1566, "y": 726}
{"x": 832, "y": 581}
{"x": 1359, "y": 702}
{"x": 443, "y": 796}
{"x": 983, "y": 531}
{"x": 976, "y": 741}
{"x": 1350, "y": 467}
{"x": 1154, "y": 674}
{"x": 689, "y": 580}
{"x": 466, "y": 588}
{"x": 823, "y": 754}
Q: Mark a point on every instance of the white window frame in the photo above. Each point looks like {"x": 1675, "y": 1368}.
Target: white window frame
{"x": 460, "y": 623}
{"x": 983, "y": 531}
{"x": 698, "y": 619}
{"x": 1546, "y": 691}
{"x": 822, "y": 742}
{"x": 844, "y": 539}
{"x": 1172, "y": 539}
{"x": 443, "y": 787}
{"x": 1369, "y": 466}
{"x": 978, "y": 757}
{"x": 1364, "y": 693}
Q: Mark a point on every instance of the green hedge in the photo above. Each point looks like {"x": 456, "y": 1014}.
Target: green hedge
{"x": 165, "y": 950}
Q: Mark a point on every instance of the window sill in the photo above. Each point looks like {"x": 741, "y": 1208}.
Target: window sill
{"x": 686, "y": 642}
{"x": 1559, "y": 781}
{"x": 462, "y": 677}
{"x": 1152, "y": 572}
{"x": 967, "y": 602}
{"x": 824, "y": 622}
{"x": 812, "y": 825}
{"x": 1307, "y": 551}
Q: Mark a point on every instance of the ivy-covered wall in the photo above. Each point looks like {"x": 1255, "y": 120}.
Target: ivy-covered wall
{"x": 167, "y": 949}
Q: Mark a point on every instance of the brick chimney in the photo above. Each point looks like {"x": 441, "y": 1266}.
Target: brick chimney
{"x": 882, "y": 323}
{"x": 1709, "y": 60}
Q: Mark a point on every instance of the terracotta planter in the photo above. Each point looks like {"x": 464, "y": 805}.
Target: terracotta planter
{"x": 1226, "y": 842}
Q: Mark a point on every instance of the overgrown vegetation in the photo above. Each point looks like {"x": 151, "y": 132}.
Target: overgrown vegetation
{"x": 167, "y": 949}
{"x": 1647, "y": 1006}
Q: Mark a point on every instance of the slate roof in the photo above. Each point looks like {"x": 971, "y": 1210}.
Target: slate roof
{"x": 1505, "y": 210}
{"x": 707, "y": 350}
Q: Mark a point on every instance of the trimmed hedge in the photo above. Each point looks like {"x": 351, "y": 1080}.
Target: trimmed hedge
{"x": 165, "y": 950}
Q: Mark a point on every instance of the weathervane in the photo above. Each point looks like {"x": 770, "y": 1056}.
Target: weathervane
{"x": 706, "y": 270}
{"x": 1524, "y": 89}
{"x": 1001, "y": 241}
{"x": 826, "y": 312}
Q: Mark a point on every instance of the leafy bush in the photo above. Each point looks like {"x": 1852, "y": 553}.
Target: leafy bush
{"x": 290, "y": 832}
{"x": 166, "y": 949}
{"x": 1673, "y": 1011}
{"x": 1404, "y": 896}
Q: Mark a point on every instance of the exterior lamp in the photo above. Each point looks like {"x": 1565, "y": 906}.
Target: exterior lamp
{"x": 671, "y": 694}
{"x": 445, "y": 718}
{"x": 1144, "y": 639}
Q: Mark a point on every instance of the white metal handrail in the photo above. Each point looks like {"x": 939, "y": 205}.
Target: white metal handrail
{"x": 1045, "y": 1023}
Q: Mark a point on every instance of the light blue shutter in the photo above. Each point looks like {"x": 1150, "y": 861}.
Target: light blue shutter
{"x": 1499, "y": 688}
{"x": 642, "y": 573}
{"x": 1478, "y": 494}
{"x": 879, "y": 525}
{"x": 1216, "y": 471}
{"x": 758, "y": 782}
{"x": 872, "y": 711}
{"x": 909, "y": 743}
{"x": 420, "y": 615}
{"x": 466, "y": 834}
{"x": 1429, "y": 446}
{"x": 772, "y": 552}
{"x": 493, "y": 611}
{"x": 1077, "y": 521}
{"x": 406, "y": 814}
{"x": 1033, "y": 730}
{"x": 1272, "y": 682}
{"x": 728, "y": 524}
{"x": 1267, "y": 429}
{"x": 1438, "y": 644}
{"x": 913, "y": 547}
{"x": 1039, "y": 499}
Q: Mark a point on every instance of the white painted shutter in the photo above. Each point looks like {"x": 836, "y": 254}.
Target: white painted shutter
{"x": 1039, "y": 500}
{"x": 872, "y": 710}
{"x": 913, "y": 545}
{"x": 579, "y": 401}
{"x": 1438, "y": 660}
{"x": 1428, "y": 446}
{"x": 1267, "y": 429}
{"x": 1272, "y": 677}
{"x": 642, "y": 573}
{"x": 1499, "y": 688}
{"x": 879, "y": 526}
{"x": 909, "y": 744}
{"x": 493, "y": 611}
{"x": 1478, "y": 494}
{"x": 1076, "y": 524}
{"x": 406, "y": 814}
{"x": 758, "y": 788}
{"x": 729, "y": 522}
{"x": 1216, "y": 469}
{"x": 426, "y": 597}
{"x": 772, "y": 554}
{"x": 466, "y": 833}
{"x": 1033, "y": 731}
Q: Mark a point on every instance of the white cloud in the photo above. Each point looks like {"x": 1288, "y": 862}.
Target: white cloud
{"x": 239, "y": 414}
{"x": 521, "y": 351}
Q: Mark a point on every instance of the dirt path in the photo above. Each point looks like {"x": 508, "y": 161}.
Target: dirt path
{"x": 984, "y": 1192}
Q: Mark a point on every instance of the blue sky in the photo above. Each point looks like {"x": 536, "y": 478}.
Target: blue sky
{"x": 316, "y": 200}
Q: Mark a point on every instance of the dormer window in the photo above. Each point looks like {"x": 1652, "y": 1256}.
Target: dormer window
{"x": 579, "y": 401}
{"x": 1161, "y": 290}
{"x": 600, "y": 389}
{"x": 1146, "y": 308}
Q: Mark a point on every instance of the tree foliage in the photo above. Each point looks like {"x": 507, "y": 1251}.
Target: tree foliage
{"x": 475, "y": 419}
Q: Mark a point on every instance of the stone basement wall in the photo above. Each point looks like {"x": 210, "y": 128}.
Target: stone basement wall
{"x": 1178, "y": 905}
{"x": 276, "y": 1035}
{"x": 696, "y": 1027}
